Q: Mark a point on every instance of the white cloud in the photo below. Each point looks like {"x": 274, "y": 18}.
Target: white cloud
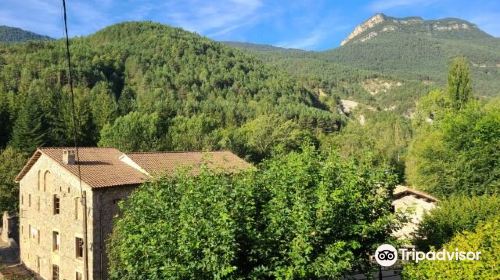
{"x": 215, "y": 18}
{"x": 383, "y": 5}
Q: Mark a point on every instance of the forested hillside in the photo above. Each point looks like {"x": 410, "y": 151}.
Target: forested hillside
{"x": 182, "y": 90}
{"x": 13, "y": 34}
{"x": 406, "y": 57}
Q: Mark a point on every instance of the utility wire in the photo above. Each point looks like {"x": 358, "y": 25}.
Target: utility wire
{"x": 76, "y": 125}
{"x": 76, "y": 122}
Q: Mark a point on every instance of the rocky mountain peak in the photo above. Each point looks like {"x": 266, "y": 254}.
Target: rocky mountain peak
{"x": 380, "y": 23}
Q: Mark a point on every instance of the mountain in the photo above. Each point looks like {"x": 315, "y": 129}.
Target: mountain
{"x": 389, "y": 62}
{"x": 451, "y": 28}
{"x": 14, "y": 34}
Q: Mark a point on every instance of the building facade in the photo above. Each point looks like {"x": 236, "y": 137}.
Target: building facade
{"x": 414, "y": 204}
{"x": 64, "y": 221}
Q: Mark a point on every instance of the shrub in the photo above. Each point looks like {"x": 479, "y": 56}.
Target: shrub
{"x": 485, "y": 239}
{"x": 455, "y": 215}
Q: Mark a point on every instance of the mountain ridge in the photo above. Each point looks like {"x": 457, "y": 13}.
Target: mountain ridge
{"x": 441, "y": 28}
{"x": 9, "y": 34}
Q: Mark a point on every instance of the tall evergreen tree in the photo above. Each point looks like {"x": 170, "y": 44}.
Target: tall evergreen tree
{"x": 29, "y": 129}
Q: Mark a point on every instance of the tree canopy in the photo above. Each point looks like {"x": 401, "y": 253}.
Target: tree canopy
{"x": 302, "y": 215}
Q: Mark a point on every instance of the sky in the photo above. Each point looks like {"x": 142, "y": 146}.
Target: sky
{"x": 303, "y": 24}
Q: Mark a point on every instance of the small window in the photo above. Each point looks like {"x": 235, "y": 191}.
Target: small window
{"x": 79, "y": 247}
{"x": 22, "y": 199}
{"x": 56, "y": 241}
{"x": 29, "y": 200}
{"x": 77, "y": 203}
{"x": 57, "y": 204}
{"x": 79, "y": 276}
{"x": 55, "y": 272}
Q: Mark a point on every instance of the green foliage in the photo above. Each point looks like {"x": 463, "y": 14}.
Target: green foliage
{"x": 266, "y": 133}
{"x": 201, "y": 91}
{"x": 181, "y": 228}
{"x": 132, "y": 132}
{"x": 300, "y": 216}
{"x": 30, "y": 127}
{"x": 458, "y": 154}
{"x": 195, "y": 133}
{"x": 454, "y": 215}
{"x": 432, "y": 107}
{"x": 384, "y": 135}
{"x": 459, "y": 83}
{"x": 414, "y": 54}
{"x": 11, "y": 163}
{"x": 485, "y": 239}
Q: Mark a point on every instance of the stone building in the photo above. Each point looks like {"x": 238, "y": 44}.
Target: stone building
{"x": 58, "y": 212}
{"x": 414, "y": 204}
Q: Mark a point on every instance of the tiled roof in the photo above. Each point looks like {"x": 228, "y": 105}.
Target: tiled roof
{"x": 400, "y": 191}
{"x": 168, "y": 163}
{"x": 106, "y": 167}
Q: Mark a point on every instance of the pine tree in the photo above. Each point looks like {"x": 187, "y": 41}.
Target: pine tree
{"x": 29, "y": 131}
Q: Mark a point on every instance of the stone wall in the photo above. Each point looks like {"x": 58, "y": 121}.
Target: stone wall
{"x": 38, "y": 222}
{"x": 10, "y": 227}
{"x": 105, "y": 209}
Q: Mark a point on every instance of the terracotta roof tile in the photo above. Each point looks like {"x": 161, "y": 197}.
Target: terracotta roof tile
{"x": 169, "y": 162}
{"x": 100, "y": 167}
{"x": 105, "y": 167}
{"x": 400, "y": 191}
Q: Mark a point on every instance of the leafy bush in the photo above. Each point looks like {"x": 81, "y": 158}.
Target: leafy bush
{"x": 455, "y": 215}
{"x": 301, "y": 216}
{"x": 459, "y": 154}
{"x": 485, "y": 239}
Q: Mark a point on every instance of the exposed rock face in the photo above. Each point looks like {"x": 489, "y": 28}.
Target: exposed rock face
{"x": 380, "y": 23}
{"x": 371, "y": 22}
{"x": 376, "y": 86}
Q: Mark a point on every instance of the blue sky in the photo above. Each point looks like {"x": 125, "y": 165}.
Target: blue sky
{"x": 312, "y": 25}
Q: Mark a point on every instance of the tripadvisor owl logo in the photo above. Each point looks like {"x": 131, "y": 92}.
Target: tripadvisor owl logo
{"x": 386, "y": 255}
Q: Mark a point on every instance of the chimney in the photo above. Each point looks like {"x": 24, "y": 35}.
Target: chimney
{"x": 69, "y": 157}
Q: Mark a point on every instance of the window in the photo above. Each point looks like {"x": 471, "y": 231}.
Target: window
{"x": 79, "y": 247}
{"x": 22, "y": 199}
{"x": 57, "y": 204}
{"x": 39, "y": 177}
{"x": 79, "y": 276}
{"x": 47, "y": 180}
{"x": 56, "y": 241}
{"x": 35, "y": 234}
{"x": 29, "y": 200}
{"x": 77, "y": 202}
{"x": 55, "y": 272}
